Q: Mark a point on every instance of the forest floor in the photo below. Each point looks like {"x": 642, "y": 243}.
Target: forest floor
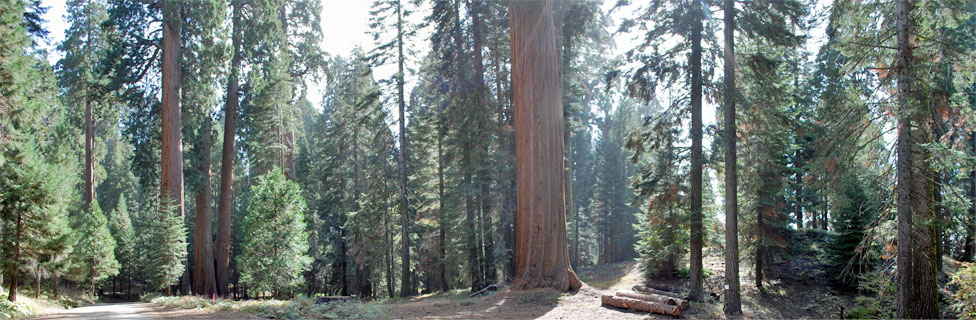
{"x": 139, "y": 310}
{"x": 798, "y": 287}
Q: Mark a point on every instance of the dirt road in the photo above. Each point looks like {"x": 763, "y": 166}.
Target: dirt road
{"x": 137, "y": 310}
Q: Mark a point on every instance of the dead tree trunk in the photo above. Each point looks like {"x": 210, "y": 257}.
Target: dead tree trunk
{"x": 541, "y": 252}
{"x": 640, "y": 305}
{"x": 681, "y": 303}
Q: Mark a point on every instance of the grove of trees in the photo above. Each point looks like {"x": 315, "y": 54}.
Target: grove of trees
{"x": 511, "y": 145}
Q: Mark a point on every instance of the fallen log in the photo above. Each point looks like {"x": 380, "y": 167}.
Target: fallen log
{"x": 322, "y": 300}
{"x": 491, "y": 287}
{"x": 681, "y": 303}
{"x": 645, "y": 289}
{"x": 640, "y": 305}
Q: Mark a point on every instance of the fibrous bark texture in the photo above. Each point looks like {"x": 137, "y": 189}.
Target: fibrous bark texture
{"x": 228, "y": 152}
{"x": 172, "y": 146}
{"x": 541, "y": 251}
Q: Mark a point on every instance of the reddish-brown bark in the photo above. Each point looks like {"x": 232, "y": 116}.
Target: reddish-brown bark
{"x": 204, "y": 281}
{"x": 541, "y": 251}
{"x": 222, "y": 250}
{"x": 172, "y": 139}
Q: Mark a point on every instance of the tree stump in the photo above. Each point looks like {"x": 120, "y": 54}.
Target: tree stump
{"x": 640, "y": 305}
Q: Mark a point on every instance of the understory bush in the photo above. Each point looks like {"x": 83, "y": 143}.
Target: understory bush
{"x": 298, "y": 308}
{"x": 964, "y": 300}
{"x": 16, "y": 310}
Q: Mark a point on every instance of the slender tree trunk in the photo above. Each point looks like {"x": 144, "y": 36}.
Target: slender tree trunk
{"x": 406, "y": 289}
{"x": 733, "y": 304}
{"x": 697, "y": 241}
{"x": 484, "y": 175}
{"x": 937, "y": 226}
{"x": 388, "y": 252}
{"x": 204, "y": 281}
{"x": 13, "y": 274}
{"x": 467, "y": 166}
{"x": 37, "y": 274}
{"x": 798, "y": 195}
{"x": 89, "y": 192}
{"x": 968, "y": 247}
{"x": 760, "y": 234}
{"x": 491, "y": 275}
{"x": 541, "y": 253}
{"x": 570, "y": 207}
{"x": 227, "y": 159}
{"x": 442, "y": 221}
{"x": 824, "y": 220}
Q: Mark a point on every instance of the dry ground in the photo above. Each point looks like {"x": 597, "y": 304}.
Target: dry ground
{"x": 138, "y": 310}
{"x": 804, "y": 295}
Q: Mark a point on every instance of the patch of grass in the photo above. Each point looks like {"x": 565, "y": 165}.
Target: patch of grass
{"x": 298, "y": 308}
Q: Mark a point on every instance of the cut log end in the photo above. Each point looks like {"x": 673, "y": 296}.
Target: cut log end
{"x": 640, "y": 305}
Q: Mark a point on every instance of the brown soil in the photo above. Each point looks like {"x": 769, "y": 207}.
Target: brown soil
{"x": 802, "y": 295}
{"x": 139, "y": 311}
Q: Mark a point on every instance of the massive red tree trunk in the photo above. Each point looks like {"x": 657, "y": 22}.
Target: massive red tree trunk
{"x": 204, "y": 281}
{"x": 541, "y": 250}
{"x": 172, "y": 153}
{"x": 227, "y": 161}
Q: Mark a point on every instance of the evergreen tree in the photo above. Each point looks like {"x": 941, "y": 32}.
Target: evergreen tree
{"x": 36, "y": 168}
{"x": 162, "y": 247}
{"x": 120, "y": 225}
{"x": 95, "y": 249}
{"x": 395, "y": 48}
{"x": 274, "y": 249}
{"x": 858, "y": 207}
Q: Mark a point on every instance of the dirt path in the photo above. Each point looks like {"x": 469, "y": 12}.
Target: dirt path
{"x": 535, "y": 304}
{"x": 137, "y": 310}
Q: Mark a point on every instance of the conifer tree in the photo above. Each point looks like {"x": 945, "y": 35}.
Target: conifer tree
{"x": 120, "y": 225}
{"x": 95, "y": 249}
{"x": 275, "y": 246}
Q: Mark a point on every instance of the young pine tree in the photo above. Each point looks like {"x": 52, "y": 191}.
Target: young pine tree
{"x": 858, "y": 207}
{"x": 120, "y": 225}
{"x": 274, "y": 250}
{"x": 95, "y": 249}
{"x": 162, "y": 247}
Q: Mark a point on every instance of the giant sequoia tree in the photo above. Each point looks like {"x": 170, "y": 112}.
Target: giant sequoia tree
{"x": 541, "y": 252}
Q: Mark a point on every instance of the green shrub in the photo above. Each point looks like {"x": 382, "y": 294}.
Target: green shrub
{"x": 16, "y": 310}
{"x": 964, "y": 300}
